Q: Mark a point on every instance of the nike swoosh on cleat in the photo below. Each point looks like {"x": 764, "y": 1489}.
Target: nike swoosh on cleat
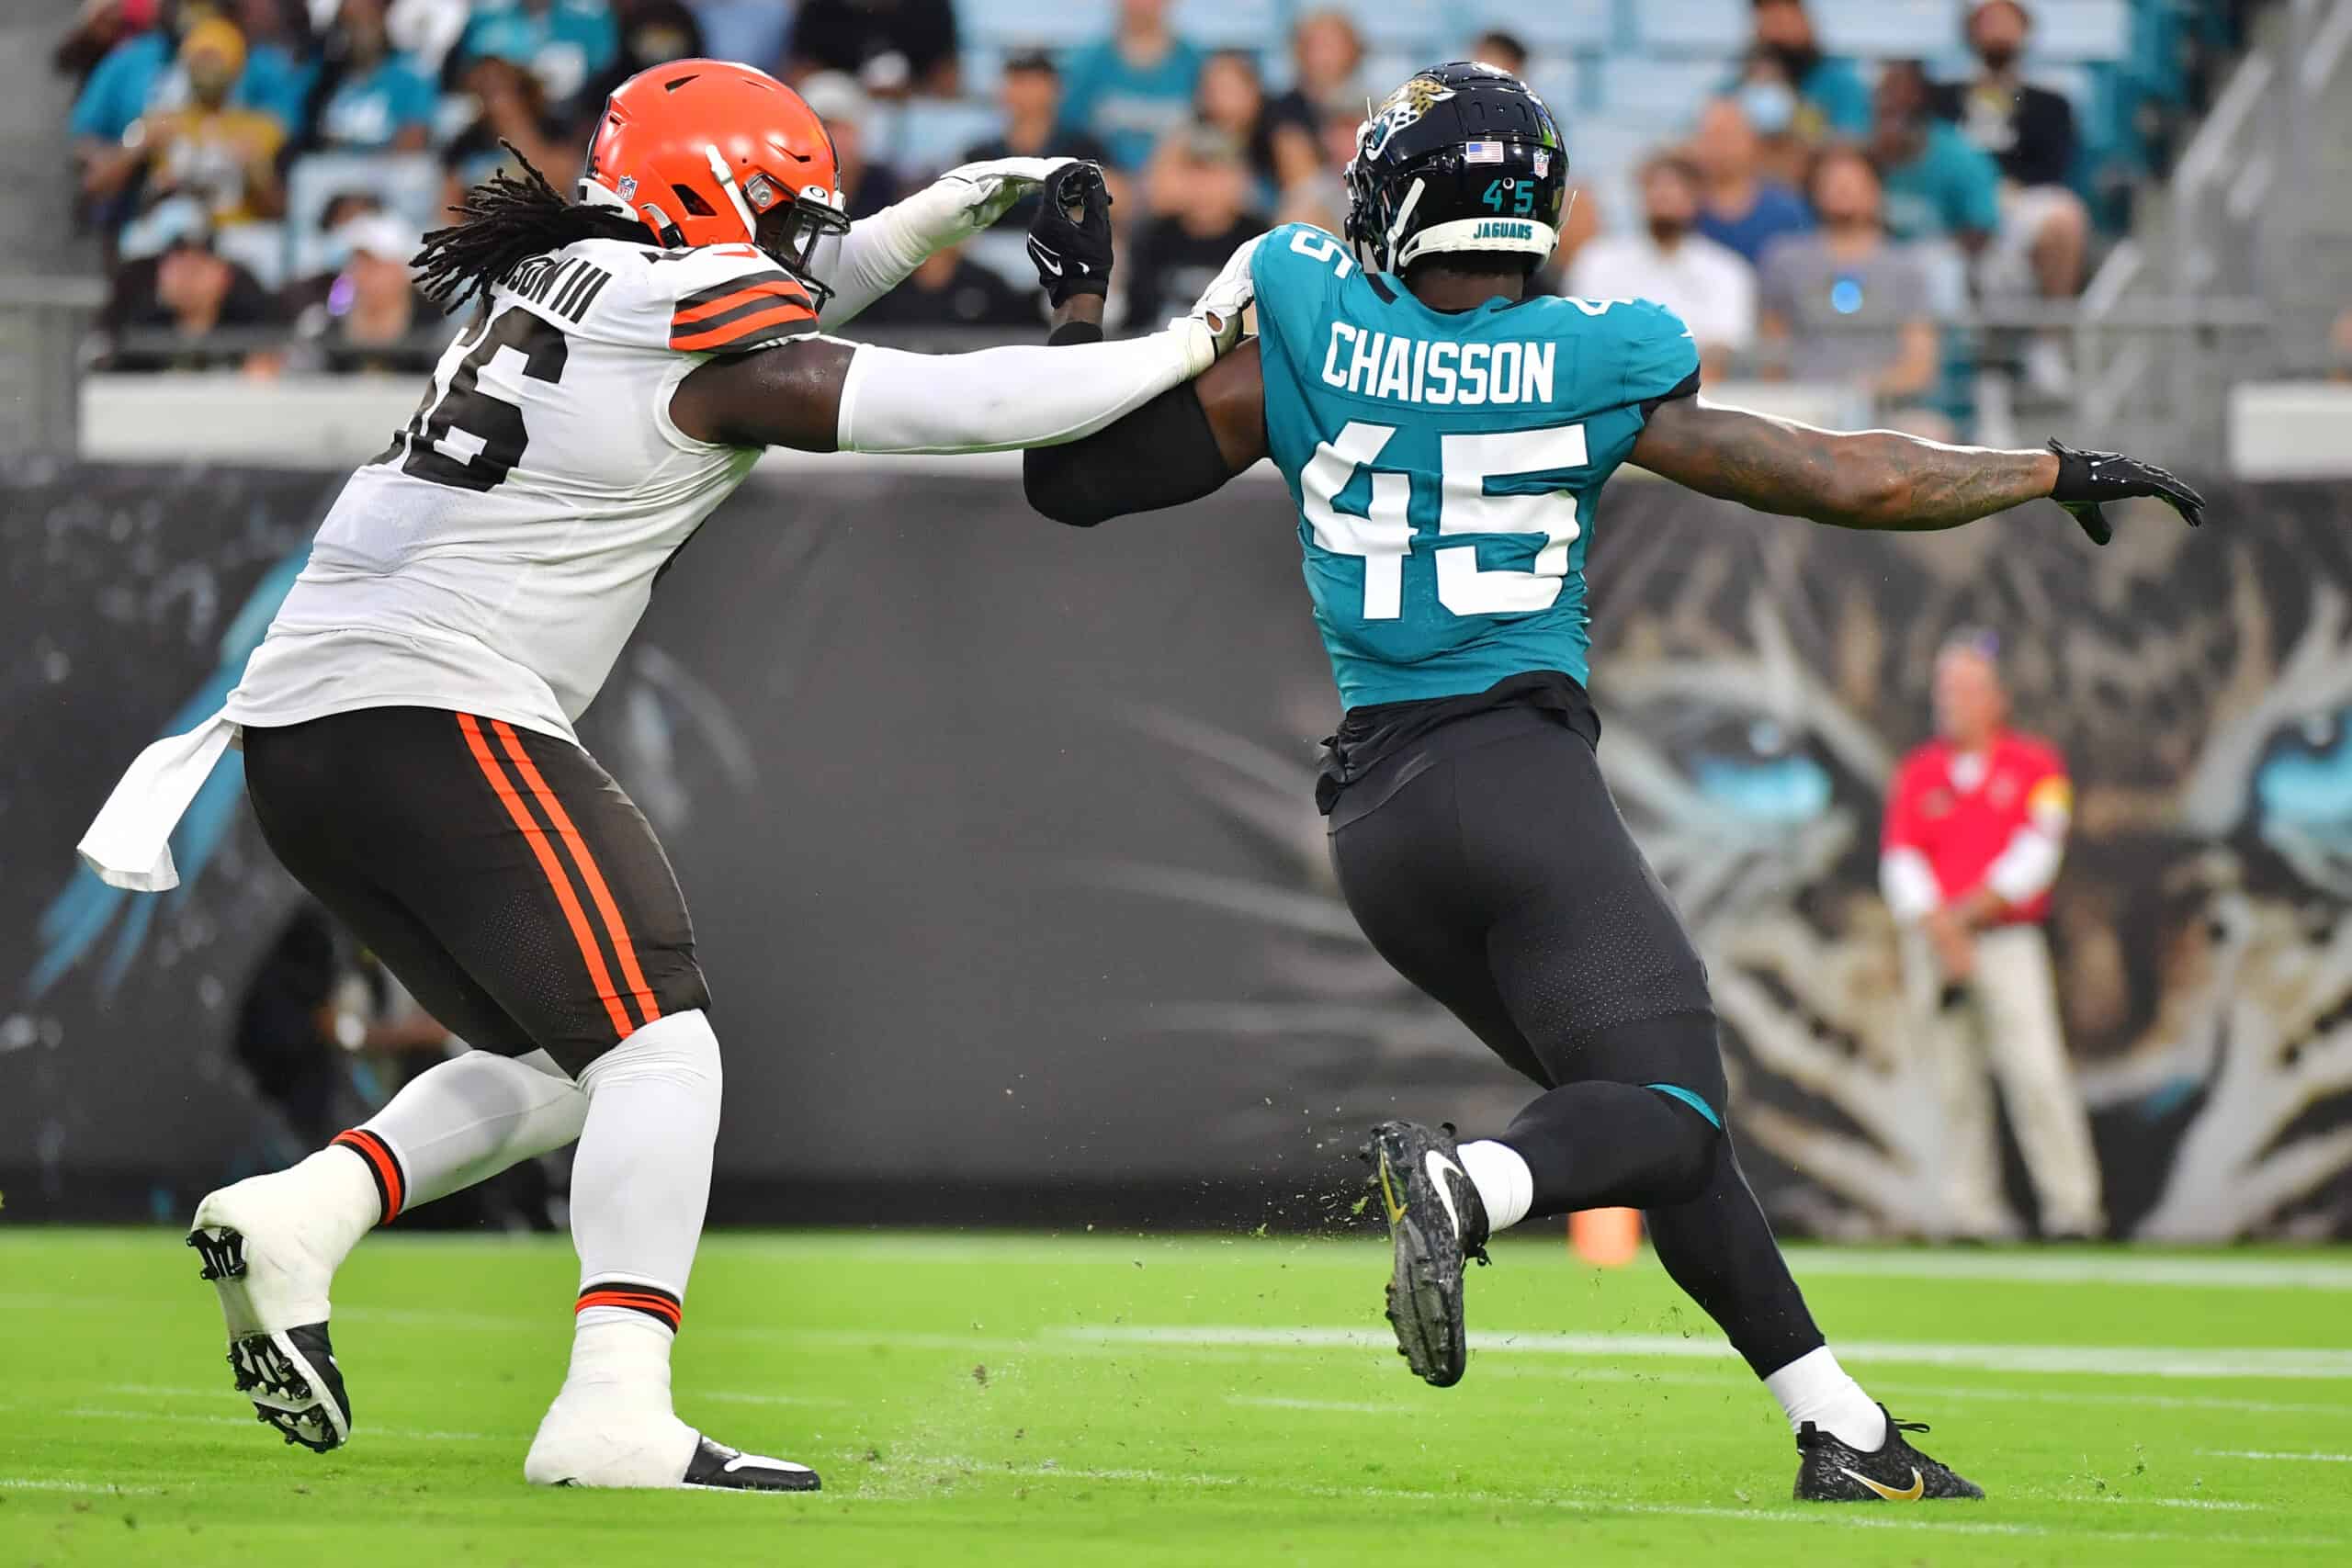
{"x": 1437, "y": 1164}
{"x": 1919, "y": 1485}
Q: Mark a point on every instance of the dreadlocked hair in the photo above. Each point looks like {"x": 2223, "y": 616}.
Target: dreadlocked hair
{"x": 504, "y": 221}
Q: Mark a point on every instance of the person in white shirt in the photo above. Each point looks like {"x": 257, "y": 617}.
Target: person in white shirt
{"x": 1705, "y": 284}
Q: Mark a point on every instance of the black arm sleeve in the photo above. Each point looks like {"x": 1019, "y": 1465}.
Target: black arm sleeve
{"x": 1164, "y": 453}
{"x": 1685, "y": 387}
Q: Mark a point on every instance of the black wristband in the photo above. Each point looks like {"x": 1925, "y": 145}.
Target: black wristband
{"x": 1074, "y": 332}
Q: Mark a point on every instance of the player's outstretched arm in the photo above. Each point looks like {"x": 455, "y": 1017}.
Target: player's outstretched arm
{"x": 881, "y": 252}
{"x": 1880, "y": 478}
{"x": 1180, "y": 447}
{"x": 819, "y": 394}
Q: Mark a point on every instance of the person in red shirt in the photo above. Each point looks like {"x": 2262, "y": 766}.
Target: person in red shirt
{"x": 1975, "y": 829}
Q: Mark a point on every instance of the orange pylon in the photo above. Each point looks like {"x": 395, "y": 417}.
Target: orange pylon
{"x": 1606, "y": 1238}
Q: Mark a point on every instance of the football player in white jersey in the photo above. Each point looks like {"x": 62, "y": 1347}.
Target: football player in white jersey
{"x": 407, "y": 726}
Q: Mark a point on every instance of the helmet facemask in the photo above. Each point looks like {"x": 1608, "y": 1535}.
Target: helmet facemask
{"x": 788, "y": 227}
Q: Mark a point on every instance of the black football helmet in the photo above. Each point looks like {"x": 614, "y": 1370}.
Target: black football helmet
{"x": 1461, "y": 157}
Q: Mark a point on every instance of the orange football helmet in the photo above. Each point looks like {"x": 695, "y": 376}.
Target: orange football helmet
{"x": 709, "y": 153}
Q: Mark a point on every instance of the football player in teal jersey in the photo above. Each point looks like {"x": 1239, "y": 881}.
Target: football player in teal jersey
{"x": 1446, "y": 436}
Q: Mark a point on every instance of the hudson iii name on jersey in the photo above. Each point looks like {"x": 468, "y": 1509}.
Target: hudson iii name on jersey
{"x": 1447, "y": 466}
{"x": 496, "y": 556}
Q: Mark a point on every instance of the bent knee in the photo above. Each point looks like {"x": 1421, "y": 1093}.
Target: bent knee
{"x": 675, "y": 1045}
{"x": 1691, "y": 1165}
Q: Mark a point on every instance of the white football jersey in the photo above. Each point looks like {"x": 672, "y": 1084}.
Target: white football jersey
{"x": 499, "y": 553}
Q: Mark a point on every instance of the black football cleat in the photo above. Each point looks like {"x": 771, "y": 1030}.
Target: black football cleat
{"x": 1830, "y": 1472}
{"x": 1436, "y": 1224}
{"x": 717, "y": 1468}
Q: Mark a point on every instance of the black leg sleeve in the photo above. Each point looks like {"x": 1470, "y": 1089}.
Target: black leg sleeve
{"x": 1718, "y": 1246}
{"x": 1611, "y": 1145}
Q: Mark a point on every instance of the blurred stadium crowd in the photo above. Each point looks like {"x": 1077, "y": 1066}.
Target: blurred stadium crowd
{"x": 1826, "y": 190}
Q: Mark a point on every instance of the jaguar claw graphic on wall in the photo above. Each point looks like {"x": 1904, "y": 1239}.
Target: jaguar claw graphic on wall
{"x": 1002, "y": 848}
{"x": 1758, "y": 681}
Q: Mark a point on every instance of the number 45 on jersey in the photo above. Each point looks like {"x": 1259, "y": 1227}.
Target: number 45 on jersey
{"x": 1384, "y": 535}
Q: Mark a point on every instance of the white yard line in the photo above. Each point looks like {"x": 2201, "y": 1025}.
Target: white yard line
{"x": 2099, "y": 1360}
{"x": 1732, "y": 1374}
{"x": 2102, "y": 1268}
{"x": 1940, "y": 1519}
{"x": 1903, "y": 1392}
{"x": 1337, "y": 1406}
{"x": 34, "y": 1483}
{"x": 2105, "y": 1266}
{"x": 2258, "y": 1453}
{"x": 166, "y": 1391}
{"x": 137, "y": 1417}
{"x": 2097, "y": 1267}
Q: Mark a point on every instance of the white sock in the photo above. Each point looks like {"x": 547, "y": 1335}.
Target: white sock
{"x": 639, "y": 1185}
{"x": 622, "y": 1356}
{"x": 1814, "y": 1388}
{"x": 1505, "y": 1184}
{"x": 471, "y": 1117}
{"x": 340, "y": 1199}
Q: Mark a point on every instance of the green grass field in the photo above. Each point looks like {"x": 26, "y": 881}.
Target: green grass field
{"x": 1198, "y": 1401}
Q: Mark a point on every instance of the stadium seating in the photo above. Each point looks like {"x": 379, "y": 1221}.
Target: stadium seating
{"x": 408, "y": 184}
{"x": 1232, "y": 24}
{"x": 1886, "y": 29}
{"x": 1546, "y": 26}
{"x": 922, "y": 136}
{"x": 1012, "y": 25}
{"x": 1717, "y": 27}
{"x": 2088, "y": 31}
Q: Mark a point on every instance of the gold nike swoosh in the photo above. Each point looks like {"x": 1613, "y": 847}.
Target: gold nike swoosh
{"x": 1918, "y": 1486}
{"x": 1389, "y": 1193}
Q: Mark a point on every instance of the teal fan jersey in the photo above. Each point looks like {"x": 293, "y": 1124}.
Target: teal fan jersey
{"x": 1447, "y": 467}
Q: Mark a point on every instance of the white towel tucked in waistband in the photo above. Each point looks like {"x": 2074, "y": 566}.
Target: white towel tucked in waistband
{"x": 129, "y": 844}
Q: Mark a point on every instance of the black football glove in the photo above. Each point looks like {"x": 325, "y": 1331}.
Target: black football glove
{"x": 2088, "y": 480}
{"x": 1070, "y": 237}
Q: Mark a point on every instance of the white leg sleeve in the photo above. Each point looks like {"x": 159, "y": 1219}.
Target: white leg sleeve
{"x": 641, "y": 1178}
{"x": 474, "y": 1115}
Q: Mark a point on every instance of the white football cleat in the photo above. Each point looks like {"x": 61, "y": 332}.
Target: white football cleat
{"x": 270, "y": 1248}
{"x": 591, "y": 1441}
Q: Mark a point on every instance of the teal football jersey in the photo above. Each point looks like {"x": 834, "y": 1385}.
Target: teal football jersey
{"x": 1447, "y": 467}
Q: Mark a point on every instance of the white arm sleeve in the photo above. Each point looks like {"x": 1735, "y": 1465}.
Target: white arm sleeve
{"x": 876, "y": 255}
{"x": 1003, "y": 397}
{"x": 880, "y": 251}
{"x": 1908, "y": 885}
{"x": 2026, "y": 867}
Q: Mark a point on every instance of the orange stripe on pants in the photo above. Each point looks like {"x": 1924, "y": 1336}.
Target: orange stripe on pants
{"x": 537, "y": 838}
{"x": 597, "y": 892}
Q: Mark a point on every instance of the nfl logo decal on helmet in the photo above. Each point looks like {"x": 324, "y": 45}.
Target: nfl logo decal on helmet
{"x": 1460, "y": 157}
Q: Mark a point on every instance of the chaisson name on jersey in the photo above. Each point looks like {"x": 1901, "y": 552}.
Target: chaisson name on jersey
{"x": 1442, "y": 372}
